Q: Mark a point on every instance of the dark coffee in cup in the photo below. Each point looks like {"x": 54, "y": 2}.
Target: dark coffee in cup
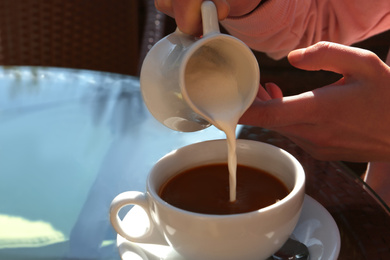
{"x": 205, "y": 189}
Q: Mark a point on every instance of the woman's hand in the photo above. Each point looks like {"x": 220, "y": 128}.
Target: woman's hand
{"x": 188, "y": 15}
{"x": 348, "y": 120}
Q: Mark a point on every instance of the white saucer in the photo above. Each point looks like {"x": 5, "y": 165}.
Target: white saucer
{"x": 316, "y": 229}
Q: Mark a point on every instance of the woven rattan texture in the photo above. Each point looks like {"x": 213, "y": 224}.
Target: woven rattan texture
{"x": 99, "y": 34}
{"x": 364, "y": 222}
{"x": 153, "y": 30}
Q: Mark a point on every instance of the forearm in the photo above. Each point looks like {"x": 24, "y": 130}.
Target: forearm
{"x": 279, "y": 26}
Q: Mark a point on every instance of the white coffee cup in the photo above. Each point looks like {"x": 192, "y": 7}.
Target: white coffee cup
{"x": 246, "y": 236}
{"x": 163, "y": 73}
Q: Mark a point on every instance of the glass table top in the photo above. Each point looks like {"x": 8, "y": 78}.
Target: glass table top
{"x": 70, "y": 141}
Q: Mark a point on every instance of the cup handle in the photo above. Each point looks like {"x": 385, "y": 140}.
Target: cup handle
{"x": 132, "y": 198}
{"x": 209, "y": 18}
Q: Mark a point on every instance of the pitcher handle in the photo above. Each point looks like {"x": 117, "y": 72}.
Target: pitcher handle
{"x": 209, "y": 18}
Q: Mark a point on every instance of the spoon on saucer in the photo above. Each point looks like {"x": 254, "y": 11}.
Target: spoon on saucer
{"x": 291, "y": 250}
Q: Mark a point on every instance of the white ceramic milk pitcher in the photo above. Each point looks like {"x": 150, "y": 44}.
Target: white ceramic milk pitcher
{"x": 164, "y": 72}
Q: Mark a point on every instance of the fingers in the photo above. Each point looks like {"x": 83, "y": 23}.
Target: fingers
{"x": 188, "y": 16}
{"x": 273, "y": 90}
{"x": 279, "y": 112}
{"x": 188, "y": 13}
{"x": 273, "y": 113}
{"x": 164, "y": 6}
{"x": 334, "y": 57}
{"x": 262, "y": 94}
{"x": 223, "y": 9}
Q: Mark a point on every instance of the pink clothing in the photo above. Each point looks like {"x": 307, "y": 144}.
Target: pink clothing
{"x": 279, "y": 26}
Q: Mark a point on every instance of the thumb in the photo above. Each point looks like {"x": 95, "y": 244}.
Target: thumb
{"x": 333, "y": 57}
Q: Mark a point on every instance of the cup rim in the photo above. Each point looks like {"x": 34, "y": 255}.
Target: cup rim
{"x": 298, "y": 187}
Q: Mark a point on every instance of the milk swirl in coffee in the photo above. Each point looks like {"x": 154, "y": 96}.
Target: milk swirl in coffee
{"x": 212, "y": 86}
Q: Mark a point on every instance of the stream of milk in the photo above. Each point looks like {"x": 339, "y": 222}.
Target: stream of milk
{"x": 213, "y": 88}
